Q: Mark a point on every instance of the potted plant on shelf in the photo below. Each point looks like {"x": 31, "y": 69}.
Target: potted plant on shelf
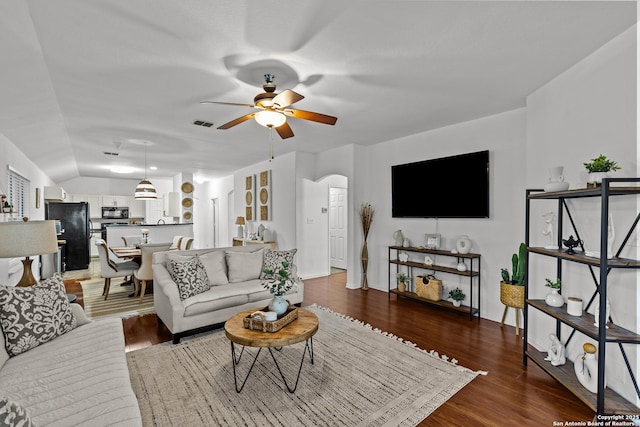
{"x": 7, "y": 207}
{"x": 599, "y": 168}
{"x": 402, "y": 282}
{"x": 457, "y": 296}
{"x": 512, "y": 288}
{"x": 554, "y": 299}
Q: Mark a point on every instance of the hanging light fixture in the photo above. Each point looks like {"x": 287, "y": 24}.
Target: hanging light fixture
{"x": 145, "y": 189}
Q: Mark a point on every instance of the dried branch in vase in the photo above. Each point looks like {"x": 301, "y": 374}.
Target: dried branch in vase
{"x": 366, "y": 217}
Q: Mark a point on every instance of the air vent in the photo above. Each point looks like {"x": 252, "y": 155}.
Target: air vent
{"x": 203, "y": 123}
{"x": 109, "y": 153}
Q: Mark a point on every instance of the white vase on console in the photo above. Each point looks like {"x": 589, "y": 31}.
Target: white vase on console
{"x": 556, "y": 180}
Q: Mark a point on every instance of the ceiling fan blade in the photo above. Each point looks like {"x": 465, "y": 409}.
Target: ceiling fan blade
{"x": 237, "y": 121}
{"x": 309, "y": 115}
{"x": 284, "y": 131}
{"x": 286, "y": 98}
{"x": 228, "y": 103}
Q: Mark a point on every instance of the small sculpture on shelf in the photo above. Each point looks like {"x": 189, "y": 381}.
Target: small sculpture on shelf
{"x": 571, "y": 243}
{"x": 549, "y": 219}
{"x": 556, "y": 353}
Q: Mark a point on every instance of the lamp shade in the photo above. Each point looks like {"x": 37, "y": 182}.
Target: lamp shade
{"x": 270, "y": 118}
{"x": 23, "y": 239}
{"x": 145, "y": 190}
{"x": 240, "y": 220}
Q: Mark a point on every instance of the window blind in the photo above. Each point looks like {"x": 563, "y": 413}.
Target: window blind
{"x": 18, "y": 193}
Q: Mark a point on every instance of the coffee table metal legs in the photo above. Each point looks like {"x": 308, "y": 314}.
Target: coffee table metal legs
{"x": 308, "y": 347}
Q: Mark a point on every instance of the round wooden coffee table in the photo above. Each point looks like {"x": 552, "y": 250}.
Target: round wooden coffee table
{"x": 301, "y": 329}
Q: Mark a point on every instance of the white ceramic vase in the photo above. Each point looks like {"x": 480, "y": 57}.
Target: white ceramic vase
{"x": 279, "y": 305}
{"x": 554, "y": 299}
{"x": 463, "y": 245}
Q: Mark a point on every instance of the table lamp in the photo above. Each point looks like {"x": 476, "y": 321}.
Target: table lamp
{"x": 240, "y": 224}
{"x": 24, "y": 239}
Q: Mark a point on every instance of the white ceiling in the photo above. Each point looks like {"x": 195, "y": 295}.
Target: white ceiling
{"x": 81, "y": 77}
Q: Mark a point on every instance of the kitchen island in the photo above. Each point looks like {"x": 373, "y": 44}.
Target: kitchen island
{"x": 158, "y": 233}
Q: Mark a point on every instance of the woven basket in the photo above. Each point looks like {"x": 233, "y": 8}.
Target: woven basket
{"x": 256, "y": 322}
{"x": 431, "y": 291}
{"x": 512, "y": 295}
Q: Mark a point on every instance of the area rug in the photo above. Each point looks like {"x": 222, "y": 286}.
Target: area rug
{"x": 361, "y": 377}
{"x": 119, "y": 304}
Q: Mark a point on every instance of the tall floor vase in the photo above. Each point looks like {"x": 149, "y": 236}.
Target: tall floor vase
{"x": 365, "y": 262}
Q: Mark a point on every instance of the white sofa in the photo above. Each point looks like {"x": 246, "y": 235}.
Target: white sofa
{"x": 79, "y": 378}
{"x": 211, "y": 308}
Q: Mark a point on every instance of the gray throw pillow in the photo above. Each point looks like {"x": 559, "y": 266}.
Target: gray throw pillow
{"x": 34, "y": 315}
{"x": 190, "y": 276}
{"x": 273, "y": 260}
{"x": 14, "y": 415}
{"x": 216, "y": 267}
{"x": 244, "y": 266}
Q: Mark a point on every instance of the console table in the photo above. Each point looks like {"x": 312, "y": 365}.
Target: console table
{"x": 472, "y": 261}
{"x": 245, "y": 242}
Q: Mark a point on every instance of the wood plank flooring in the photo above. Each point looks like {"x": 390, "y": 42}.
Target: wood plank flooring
{"x": 510, "y": 395}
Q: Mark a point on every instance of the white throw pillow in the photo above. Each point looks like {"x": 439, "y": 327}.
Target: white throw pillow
{"x": 244, "y": 266}
{"x": 216, "y": 267}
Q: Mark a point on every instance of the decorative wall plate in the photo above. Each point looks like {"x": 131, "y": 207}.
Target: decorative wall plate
{"x": 187, "y": 215}
{"x": 187, "y": 187}
{"x": 264, "y": 196}
{"x": 187, "y": 202}
{"x": 248, "y": 197}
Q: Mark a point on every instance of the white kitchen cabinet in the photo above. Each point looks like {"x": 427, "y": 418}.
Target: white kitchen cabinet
{"x": 55, "y": 193}
{"x": 137, "y": 208}
{"x": 122, "y": 201}
{"x": 95, "y": 206}
{"x": 78, "y": 197}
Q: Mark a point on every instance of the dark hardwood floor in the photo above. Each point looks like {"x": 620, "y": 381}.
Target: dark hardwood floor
{"x": 510, "y": 395}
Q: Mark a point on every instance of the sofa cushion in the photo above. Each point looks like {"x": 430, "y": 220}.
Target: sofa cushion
{"x": 12, "y": 414}
{"x": 214, "y": 263}
{"x": 218, "y": 298}
{"x": 190, "y": 276}
{"x": 273, "y": 260}
{"x": 34, "y": 315}
{"x": 244, "y": 266}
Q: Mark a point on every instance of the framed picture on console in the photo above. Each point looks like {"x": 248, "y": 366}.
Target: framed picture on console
{"x": 432, "y": 241}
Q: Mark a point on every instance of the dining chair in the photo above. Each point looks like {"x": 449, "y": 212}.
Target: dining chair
{"x": 185, "y": 243}
{"x": 175, "y": 244}
{"x": 132, "y": 240}
{"x": 111, "y": 266}
{"x": 144, "y": 274}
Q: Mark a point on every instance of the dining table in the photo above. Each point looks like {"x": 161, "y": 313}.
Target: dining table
{"x": 127, "y": 252}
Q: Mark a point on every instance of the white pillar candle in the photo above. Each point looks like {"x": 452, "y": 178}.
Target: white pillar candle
{"x": 574, "y": 306}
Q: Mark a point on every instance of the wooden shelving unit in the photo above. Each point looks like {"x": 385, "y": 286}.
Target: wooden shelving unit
{"x": 605, "y": 401}
{"x": 472, "y": 272}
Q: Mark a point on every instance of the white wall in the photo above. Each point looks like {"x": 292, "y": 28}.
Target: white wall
{"x": 112, "y": 186}
{"x": 216, "y": 189}
{"x": 283, "y": 198}
{"x": 588, "y": 110}
{"x": 11, "y": 156}
{"x": 495, "y": 238}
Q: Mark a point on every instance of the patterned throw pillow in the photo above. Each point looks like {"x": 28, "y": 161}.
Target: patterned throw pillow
{"x": 34, "y": 315}
{"x": 273, "y": 260}
{"x": 12, "y": 414}
{"x": 190, "y": 276}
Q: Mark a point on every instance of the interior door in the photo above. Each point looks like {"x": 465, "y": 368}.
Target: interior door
{"x": 338, "y": 227}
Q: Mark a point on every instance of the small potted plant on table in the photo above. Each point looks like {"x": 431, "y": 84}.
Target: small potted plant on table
{"x": 599, "y": 168}
{"x": 402, "y": 282}
{"x": 457, "y": 296}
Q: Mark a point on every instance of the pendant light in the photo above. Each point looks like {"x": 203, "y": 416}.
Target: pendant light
{"x": 145, "y": 189}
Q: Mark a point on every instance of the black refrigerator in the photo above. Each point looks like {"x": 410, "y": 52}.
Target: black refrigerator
{"x": 76, "y": 231}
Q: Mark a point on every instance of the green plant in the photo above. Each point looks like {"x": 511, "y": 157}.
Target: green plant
{"x": 280, "y": 281}
{"x": 456, "y": 294}
{"x": 517, "y": 267}
{"x": 601, "y": 164}
{"x": 553, "y": 285}
{"x": 402, "y": 278}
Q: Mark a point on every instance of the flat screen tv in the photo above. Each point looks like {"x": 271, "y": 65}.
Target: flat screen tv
{"x": 447, "y": 187}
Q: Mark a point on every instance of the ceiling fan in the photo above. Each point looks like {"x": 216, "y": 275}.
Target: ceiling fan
{"x": 274, "y": 110}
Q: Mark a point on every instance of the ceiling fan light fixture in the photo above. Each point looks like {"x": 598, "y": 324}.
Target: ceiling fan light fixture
{"x": 270, "y": 118}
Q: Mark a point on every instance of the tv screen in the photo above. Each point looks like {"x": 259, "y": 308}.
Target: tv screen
{"x": 447, "y": 187}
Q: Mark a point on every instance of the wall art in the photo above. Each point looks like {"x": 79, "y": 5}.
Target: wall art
{"x": 264, "y": 196}
{"x": 249, "y": 198}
